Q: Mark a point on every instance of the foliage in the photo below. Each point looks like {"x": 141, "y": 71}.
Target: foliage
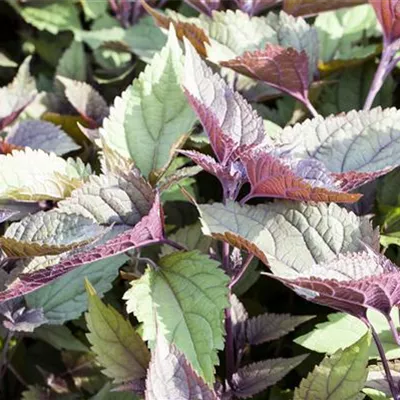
{"x": 189, "y": 189}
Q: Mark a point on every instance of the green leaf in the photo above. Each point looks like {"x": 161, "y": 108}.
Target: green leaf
{"x": 374, "y": 394}
{"x": 342, "y": 330}
{"x": 316, "y": 232}
{"x": 60, "y": 337}
{"x": 73, "y": 63}
{"x": 54, "y": 17}
{"x": 340, "y": 376}
{"x": 119, "y": 348}
{"x": 94, "y": 9}
{"x": 152, "y": 117}
{"x": 65, "y": 298}
{"x": 340, "y": 33}
{"x": 106, "y": 393}
{"x": 184, "y": 301}
{"x": 36, "y": 175}
{"x": 46, "y": 233}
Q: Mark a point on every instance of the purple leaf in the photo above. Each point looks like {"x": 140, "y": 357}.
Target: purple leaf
{"x": 171, "y": 377}
{"x": 42, "y": 135}
{"x": 86, "y": 100}
{"x": 351, "y": 283}
{"x": 351, "y": 180}
{"x": 267, "y": 327}
{"x": 205, "y": 6}
{"x": 269, "y": 176}
{"x": 15, "y": 97}
{"x": 285, "y": 69}
{"x": 312, "y": 7}
{"x": 239, "y": 317}
{"x": 227, "y": 118}
{"x": 256, "y": 377}
{"x": 6, "y": 214}
{"x": 254, "y": 7}
{"x": 388, "y": 13}
{"x": 147, "y": 231}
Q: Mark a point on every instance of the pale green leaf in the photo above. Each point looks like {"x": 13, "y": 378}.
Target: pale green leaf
{"x": 36, "y": 175}
{"x": 73, "y": 63}
{"x": 316, "y": 233}
{"x": 60, "y": 337}
{"x": 340, "y": 376}
{"x": 374, "y": 394}
{"x": 152, "y": 117}
{"x": 106, "y": 393}
{"x": 94, "y": 9}
{"x": 342, "y": 330}
{"x": 364, "y": 141}
{"x": 184, "y": 301}
{"x": 65, "y": 298}
{"x": 119, "y": 348}
{"x": 340, "y": 31}
{"x": 52, "y": 232}
{"x": 54, "y": 17}
{"x": 6, "y": 62}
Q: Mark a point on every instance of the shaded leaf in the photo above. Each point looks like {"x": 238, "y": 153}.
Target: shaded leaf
{"x": 73, "y": 62}
{"x": 41, "y": 135}
{"x": 285, "y": 69}
{"x": 6, "y": 214}
{"x": 267, "y": 327}
{"x": 119, "y": 348}
{"x": 311, "y": 7}
{"x": 205, "y": 6}
{"x": 36, "y": 175}
{"x": 15, "y": 97}
{"x": 149, "y": 230}
{"x": 171, "y": 377}
{"x": 50, "y": 232}
{"x": 151, "y": 118}
{"x": 339, "y": 376}
{"x": 317, "y": 232}
{"x": 254, "y": 7}
{"x": 256, "y": 377}
{"x": 86, "y": 100}
{"x": 184, "y": 300}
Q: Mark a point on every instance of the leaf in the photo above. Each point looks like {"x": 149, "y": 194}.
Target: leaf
{"x": 342, "y": 330}
{"x": 310, "y": 7}
{"x": 151, "y": 118}
{"x": 171, "y": 377}
{"x": 36, "y": 175}
{"x": 226, "y": 116}
{"x": 266, "y": 327}
{"x": 185, "y": 299}
{"x": 341, "y": 32}
{"x": 86, "y": 100}
{"x": 60, "y": 337}
{"x": 351, "y": 282}
{"x": 94, "y": 9}
{"x": 73, "y": 63}
{"x": 41, "y": 135}
{"x": 119, "y": 348}
{"x": 6, "y": 214}
{"x": 121, "y": 199}
{"x": 205, "y": 6}
{"x": 377, "y": 378}
{"x": 107, "y": 393}
{"x": 340, "y": 376}
{"x": 53, "y": 17}
{"x": 65, "y": 299}
{"x": 193, "y": 33}
{"x": 17, "y": 318}
{"x": 47, "y": 233}
{"x": 347, "y": 142}
{"x": 317, "y": 232}
{"x": 15, "y": 97}
{"x": 256, "y": 377}
{"x": 271, "y": 176}
{"x": 254, "y": 7}
{"x": 149, "y": 230}
{"x": 285, "y": 69}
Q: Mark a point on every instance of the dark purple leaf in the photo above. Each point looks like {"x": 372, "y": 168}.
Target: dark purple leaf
{"x": 205, "y": 6}
{"x": 388, "y": 13}
{"x": 283, "y": 68}
{"x": 351, "y": 283}
{"x": 147, "y": 231}
{"x": 171, "y": 377}
{"x": 267, "y": 327}
{"x": 6, "y": 214}
{"x": 269, "y": 176}
{"x": 256, "y": 377}
{"x": 254, "y": 7}
{"x": 15, "y": 97}
{"x": 86, "y": 100}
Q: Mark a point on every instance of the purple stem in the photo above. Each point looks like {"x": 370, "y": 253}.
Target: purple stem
{"x": 393, "y": 330}
{"x": 243, "y": 270}
{"x": 173, "y": 244}
{"x": 394, "y": 390}
{"x": 384, "y": 69}
{"x": 310, "y": 107}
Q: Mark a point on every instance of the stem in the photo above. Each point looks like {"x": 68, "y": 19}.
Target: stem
{"x": 149, "y": 261}
{"x": 3, "y": 359}
{"x": 173, "y": 244}
{"x": 393, "y": 330}
{"x": 384, "y": 68}
{"x": 229, "y": 348}
{"x": 243, "y": 270}
{"x": 389, "y": 377}
{"x": 310, "y": 107}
